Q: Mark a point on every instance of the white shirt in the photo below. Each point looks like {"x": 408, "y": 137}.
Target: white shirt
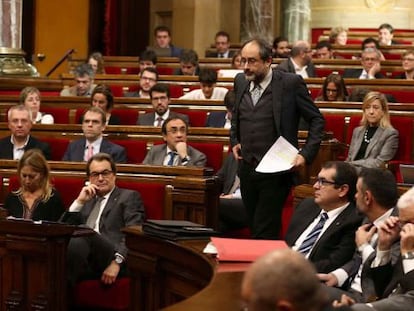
{"x": 44, "y": 118}
{"x": 76, "y": 207}
{"x": 18, "y": 151}
{"x": 300, "y": 70}
{"x": 366, "y": 250}
{"x": 332, "y": 215}
{"x": 96, "y": 146}
{"x": 265, "y": 82}
{"x": 218, "y": 93}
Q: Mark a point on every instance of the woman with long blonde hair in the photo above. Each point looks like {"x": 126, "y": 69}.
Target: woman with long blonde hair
{"x": 36, "y": 198}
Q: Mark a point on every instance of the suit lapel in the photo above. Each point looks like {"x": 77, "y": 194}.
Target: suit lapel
{"x": 160, "y": 156}
{"x": 374, "y": 140}
{"x": 277, "y": 90}
{"x": 113, "y": 198}
{"x": 358, "y": 139}
{"x": 312, "y": 211}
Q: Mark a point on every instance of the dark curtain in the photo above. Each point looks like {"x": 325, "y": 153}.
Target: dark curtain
{"x": 119, "y": 27}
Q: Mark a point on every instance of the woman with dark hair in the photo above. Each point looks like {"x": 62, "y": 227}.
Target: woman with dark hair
{"x": 36, "y": 198}
{"x": 333, "y": 89}
{"x": 375, "y": 141}
{"x": 102, "y": 97}
{"x": 97, "y": 62}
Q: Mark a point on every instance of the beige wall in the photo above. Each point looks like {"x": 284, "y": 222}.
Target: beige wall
{"x": 60, "y": 26}
{"x": 357, "y": 13}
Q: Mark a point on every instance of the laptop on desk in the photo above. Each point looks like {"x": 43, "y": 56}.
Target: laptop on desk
{"x": 407, "y": 174}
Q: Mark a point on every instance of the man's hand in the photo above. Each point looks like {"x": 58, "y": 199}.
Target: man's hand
{"x": 237, "y": 152}
{"x": 364, "y": 234}
{"x": 329, "y": 279}
{"x": 87, "y": 193}
{"x": 345, "y": 301}
{"x": 388, "y": 233}
{"x": 110, "y": 273}
{"x": 181, "y": 148}
{"x": 374, "y": 70}
{"x": 407, "y": 238}
{"x": 299, "y": 161}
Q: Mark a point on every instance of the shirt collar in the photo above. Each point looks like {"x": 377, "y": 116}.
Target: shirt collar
{"x": 95, "y": 144}
{"x": 382, "y": 218}
{"x": 265, "y": 82}
{"x": 336, "y": 211}
{"x": 25, "y": 143}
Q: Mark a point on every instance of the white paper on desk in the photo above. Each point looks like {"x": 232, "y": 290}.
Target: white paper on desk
{"x": 278, "y": 158}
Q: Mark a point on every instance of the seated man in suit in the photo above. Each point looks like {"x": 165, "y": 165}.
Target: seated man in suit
{"x": 188, "y": 64}
{"x": 93, "y": 125}
{"x": 20, "y": 123}
{"x": 222, "y": 118}
{"x": 222, "y": 44}
{"x": 175, "y": 151}
{"x": 148, "y": 77}
{"x": 281, "y": 47}
{"x": 160, "y": 100}
{"x": 323, "y": 228}
{"x": 232, "y": 213}
{"x": 84, "y": 86}
{"x": 208, "y": 90}
{"x": 163, "y": 46}
{"x": 300, "y": 60}
{"x": 105, "y": 208}
{"x": 371, "y": 66}
{"x": 376, "y": 196}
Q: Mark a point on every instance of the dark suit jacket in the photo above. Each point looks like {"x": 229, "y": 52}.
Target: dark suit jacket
{"x": 336, "y": 245}
{"x": 216, "y": 54}
{"x": 356, "y": 73}
{"x": 287, "y": 66}
{"x": 157, "y": 154}
{"x": 291, "y": 100}
{"x": 124, "y": 208}
{"x": 76, "y": 151}
{"x": 227, "y": 173}
{"x": 216, "y": 119}
{"x": 6, "y": 147}
{"x": 149, "y": 117}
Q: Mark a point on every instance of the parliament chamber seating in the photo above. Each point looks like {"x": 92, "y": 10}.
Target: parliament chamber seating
{"x": 135, "y": 149}
{"x": 60, "y": 114}
{"x": 57, "y": 145}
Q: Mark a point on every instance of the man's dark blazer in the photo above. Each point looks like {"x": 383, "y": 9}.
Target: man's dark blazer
{"x": 356, "y": 73}
{"x": 157, "y": 154}
{"x": 287, "y": 66}
{"x": 216, "y": 119}
{"x": 76, "y": 151}
{"x": 336, "y": 245}
{"x": 6, "y": 147}
{"x": 124, "y": 208}
{"x": 291, "y": 100}
{"x": 149, "y": 117}
{"x": 216, "y": 54}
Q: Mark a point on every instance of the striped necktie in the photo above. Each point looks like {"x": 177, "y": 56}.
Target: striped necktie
{"x": 312, "y": 237}
{"x": 171, "y": 159}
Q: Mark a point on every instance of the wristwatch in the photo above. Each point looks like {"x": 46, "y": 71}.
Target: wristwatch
{"x": 408, "y": 255}
{"x": 119, "y": 259}
{"x": 185, "y": 160}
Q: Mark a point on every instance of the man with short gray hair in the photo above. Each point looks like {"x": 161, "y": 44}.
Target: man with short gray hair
{"x": 371, "y": 66}
{"x": 84, "y": 86}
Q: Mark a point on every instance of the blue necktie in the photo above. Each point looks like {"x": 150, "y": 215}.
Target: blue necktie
{"x": 171, "y": 160}
{"x": 313, "y": 235}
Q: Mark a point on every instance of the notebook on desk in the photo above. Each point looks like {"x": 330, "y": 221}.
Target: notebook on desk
{"x": 407, "y": 174}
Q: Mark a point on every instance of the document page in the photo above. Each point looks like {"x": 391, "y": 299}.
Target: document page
{"x": 278, "y": 158}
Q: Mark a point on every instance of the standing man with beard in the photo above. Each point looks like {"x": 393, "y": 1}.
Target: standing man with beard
{"x": 160, "y": 100}
{"x": 269, "y": 104}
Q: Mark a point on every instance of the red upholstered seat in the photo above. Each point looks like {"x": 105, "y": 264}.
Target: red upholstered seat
{"x": 60, "y": 114}
{"x": 197, "y": 118}
{"x": 135, "y": 149}
{"x": 117, "y": 90}
{"x": 127, "y": 116}
{"x": 165, "y": 70}
{"x": 176, "y": 90}
{"x": 91, "y": 293}
{"x": 58, "y": 146}
{"x": 213, "y": 152}
{"x": 336, "y": 124}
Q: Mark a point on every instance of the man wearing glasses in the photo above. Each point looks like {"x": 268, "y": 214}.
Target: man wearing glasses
{"x": 323, "y": 228}
{"x": 269, "y": 104}
{"x": 148, "y": 77}
{"x": 160, "y": 100}
{"x": 175, "y": 151}
{"x": 105, "y": 208}
{"x": 371, "y": 66}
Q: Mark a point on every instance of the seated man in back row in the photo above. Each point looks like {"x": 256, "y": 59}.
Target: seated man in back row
{"x": 208, "y": 90}
{"x": 160, "y": 100}
{"x": 175, "y": 151}
{"x": 83, "y": 149}
{"x": 84, "y": 86}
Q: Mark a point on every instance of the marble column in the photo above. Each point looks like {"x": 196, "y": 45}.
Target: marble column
{"x": 11, "y": 25}
{"x": 257, "y": 19}
{"x": 297, "y": 17}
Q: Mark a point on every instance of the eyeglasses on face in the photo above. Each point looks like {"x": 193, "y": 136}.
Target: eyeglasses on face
{"x": 250, "y": 61}
{"x": 323, "y": 182}
{"x": 175, "y": 130}
{"x": 104, "y": 174}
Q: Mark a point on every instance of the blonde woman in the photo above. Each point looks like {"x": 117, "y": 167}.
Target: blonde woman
{"x": 36, "y": 198}
{"x": 30, "y": 97}
{"x": 374, "y": 142}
